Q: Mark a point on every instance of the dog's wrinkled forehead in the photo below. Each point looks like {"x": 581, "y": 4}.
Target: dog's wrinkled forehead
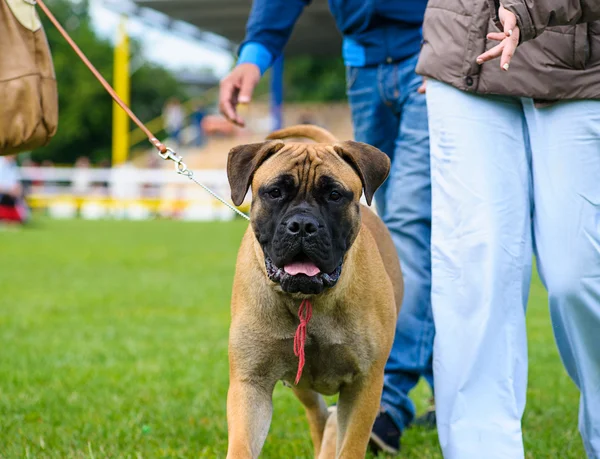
{"x": 257, "y": 163}
{"x": 307, "y": 163}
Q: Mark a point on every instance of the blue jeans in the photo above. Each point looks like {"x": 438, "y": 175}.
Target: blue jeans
{"x": 510, "y": 180}
{"x": 389, "y": 113}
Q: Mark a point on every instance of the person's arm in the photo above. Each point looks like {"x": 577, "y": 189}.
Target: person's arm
{"x": 257, "y": 54}
{"x": 534, "y": 16}
{"x": 523, "y": 20}
{"x": 267, "y": 32}
{"x": 269, "y": 27}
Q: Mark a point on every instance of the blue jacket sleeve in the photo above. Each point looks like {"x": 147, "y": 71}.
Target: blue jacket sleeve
{"x": 255, "y": 53}
{"x": 270, "y": 25}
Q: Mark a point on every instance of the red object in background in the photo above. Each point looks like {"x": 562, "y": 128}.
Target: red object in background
{"x": 217, "y": 125}
{"x": 10, "y": 214}
{"x": 14, "y": 213}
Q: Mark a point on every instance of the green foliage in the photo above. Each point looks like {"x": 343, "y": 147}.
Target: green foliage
{"x": 114, "y": 344}
{"x": 310, "y": 79}
{"x": 85, "y": 122}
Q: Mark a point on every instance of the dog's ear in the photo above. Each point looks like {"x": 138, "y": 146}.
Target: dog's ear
{"x": 371, "y": 164}
{"x": 243, "y": 161}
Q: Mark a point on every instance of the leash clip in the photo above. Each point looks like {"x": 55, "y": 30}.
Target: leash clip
{"x": 180, "y": 166}
{"x": 182, "y": 169}
{"x": 168, "y": 154}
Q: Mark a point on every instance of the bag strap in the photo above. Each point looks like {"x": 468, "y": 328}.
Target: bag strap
{"x": 151, "y": 137}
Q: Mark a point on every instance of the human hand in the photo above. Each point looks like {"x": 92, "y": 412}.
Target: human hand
{"x": 237, "y": 88}
{"x": 423, "y": 88}
{"x": 509, "y": 40}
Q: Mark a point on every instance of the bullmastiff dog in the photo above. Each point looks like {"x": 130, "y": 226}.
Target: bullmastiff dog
{"x": 311, "y": 248}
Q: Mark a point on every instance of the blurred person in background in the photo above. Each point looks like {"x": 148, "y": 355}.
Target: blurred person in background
{"x": 196, "y": 118}
{"x": 49, "y": 187}
{"x": 515, "y": 160}
{"x": 81, "y": 185}
{"x": 13, "y": 208}
{"x": 29, "y": 185}
{"x": 381, "y": 47}
{"x": 174, "y": 120}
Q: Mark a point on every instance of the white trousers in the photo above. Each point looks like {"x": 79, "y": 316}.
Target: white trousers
{"x": 509, "y": 179}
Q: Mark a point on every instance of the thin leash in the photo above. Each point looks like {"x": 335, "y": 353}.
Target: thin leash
{"x": 163, "y": 151}
{"x": 305, "y": 310}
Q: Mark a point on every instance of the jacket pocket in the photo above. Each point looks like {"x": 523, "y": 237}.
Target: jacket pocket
{"x": 581, "y": 46}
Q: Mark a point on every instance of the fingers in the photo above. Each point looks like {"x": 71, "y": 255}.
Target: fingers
{"x": 496, "y": 36}
{"x": 510, "y": 47}
{"x": 509, "y": 21}
{"x": 238, "y": 87}
{"x": 423, "y": 88}
{"x": 505, "y": 50}
{"x": 228, "y": 94}
{"x": 247, "y": 86}
{"x": 491, "y": 54}
{"x": 510, "y": 41}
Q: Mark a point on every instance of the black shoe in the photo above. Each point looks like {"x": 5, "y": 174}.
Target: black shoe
{"x": 385, "y": 435}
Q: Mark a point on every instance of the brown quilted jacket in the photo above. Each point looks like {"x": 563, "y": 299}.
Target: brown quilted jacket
{"x": 559, "y": 57}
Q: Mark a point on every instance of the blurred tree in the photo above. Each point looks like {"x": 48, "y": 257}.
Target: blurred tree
{"x": 310, "y": 79}
{"x": 85, "y": 109}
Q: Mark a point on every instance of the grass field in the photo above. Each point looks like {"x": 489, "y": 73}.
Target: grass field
{"x": 113, "y": 343}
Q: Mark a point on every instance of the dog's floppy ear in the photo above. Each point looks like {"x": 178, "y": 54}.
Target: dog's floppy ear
{"x": 371, "y": 164}
{"x": 243, "y": 161}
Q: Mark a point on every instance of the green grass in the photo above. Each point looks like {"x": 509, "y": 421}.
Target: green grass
{"x": 113, "y": 343}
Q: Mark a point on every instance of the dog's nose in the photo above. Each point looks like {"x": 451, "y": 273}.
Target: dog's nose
{"x": 302, "y": 225}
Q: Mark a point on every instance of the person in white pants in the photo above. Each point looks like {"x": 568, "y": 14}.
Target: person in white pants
{"x": 515, "y": 164}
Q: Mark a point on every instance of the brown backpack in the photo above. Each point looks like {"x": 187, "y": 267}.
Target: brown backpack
{"x": 28, "y": 91}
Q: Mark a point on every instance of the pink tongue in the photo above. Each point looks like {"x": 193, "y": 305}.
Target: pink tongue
{"x": 304, "y": 267}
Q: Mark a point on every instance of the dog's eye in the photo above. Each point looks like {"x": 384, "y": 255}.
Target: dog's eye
{"x": 335, "y": 196}
{"x": 275, "y": 193}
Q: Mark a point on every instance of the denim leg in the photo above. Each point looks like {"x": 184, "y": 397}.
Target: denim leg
{"x": 565, "y": 141}
{"x": 408, "y": 218}
{"x": 388, "y": 113}
{"x": 374, "y": 121}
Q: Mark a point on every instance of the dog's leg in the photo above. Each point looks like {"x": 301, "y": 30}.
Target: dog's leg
{"x": 329, "y": 443}
{"x": 249, "y": 411}
{"x": 316, "y": 412}
{"x": 357, "y": 408}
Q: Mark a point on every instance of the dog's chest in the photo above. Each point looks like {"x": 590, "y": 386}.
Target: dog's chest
{"x": 334, "y": 355}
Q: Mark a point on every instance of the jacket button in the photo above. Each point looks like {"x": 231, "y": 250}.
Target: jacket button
{"x": 389, "y": 60}
{"x": 469, "y": 81}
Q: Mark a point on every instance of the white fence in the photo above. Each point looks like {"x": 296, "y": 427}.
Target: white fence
{"x": 126, "y": 192}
